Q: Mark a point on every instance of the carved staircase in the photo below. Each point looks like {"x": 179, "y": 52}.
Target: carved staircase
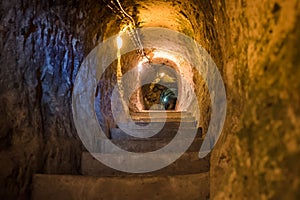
{"x": 187, "y": 178}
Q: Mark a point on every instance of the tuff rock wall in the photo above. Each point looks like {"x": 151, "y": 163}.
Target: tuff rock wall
{"x": 258, "y": 154}
{"x": 255, "y": 45}
{"x": 42, "y": 45}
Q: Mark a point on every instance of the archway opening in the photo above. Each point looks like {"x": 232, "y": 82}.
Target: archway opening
{"x": 162, "y": 91}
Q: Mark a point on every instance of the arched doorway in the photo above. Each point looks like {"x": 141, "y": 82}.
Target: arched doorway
{"x": 163, "y": 86}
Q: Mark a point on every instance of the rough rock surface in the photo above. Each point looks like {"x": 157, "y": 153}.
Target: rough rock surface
{"x": 93, "y": 188}
{"x": 258, "y": 154}
{"x": 254, "y": 43}
{"x": 41, "y": 45}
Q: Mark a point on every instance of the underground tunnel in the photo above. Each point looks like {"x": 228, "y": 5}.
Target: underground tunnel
{"x": 47, "y": 150}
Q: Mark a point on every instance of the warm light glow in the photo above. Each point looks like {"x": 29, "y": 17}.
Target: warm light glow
{"x": 162, "y": 75}
{"x": 119, "y": 42}
{"x": 140, "y": 66}
{"x": 166, "y": 55}
{"x": 141, "y": 63}
{"x": 126, "y": 27}
{"x": 159, "y": 54}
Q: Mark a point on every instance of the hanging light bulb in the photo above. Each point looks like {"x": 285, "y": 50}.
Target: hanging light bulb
{"x": 119, "y": 42}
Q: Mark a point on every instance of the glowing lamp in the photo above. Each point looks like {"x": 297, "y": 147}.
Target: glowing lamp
{"x": 119, "y": 42}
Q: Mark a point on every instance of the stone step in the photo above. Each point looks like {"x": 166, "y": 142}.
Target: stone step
{"x": 159, "y": 114}
{"x": 145, "y": 145}
{"x": 188, "y": 163}
{"x": 157, "y": 125}
{"x": 168, "y": 119}
{"x": 160, "y": 111}
{"x": 166, "y": 132}
{"x": 62, "y": 187}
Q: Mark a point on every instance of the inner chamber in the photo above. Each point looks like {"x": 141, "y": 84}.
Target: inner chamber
{"x": 158, "y": 85}
{"x": 162, "y": 92}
